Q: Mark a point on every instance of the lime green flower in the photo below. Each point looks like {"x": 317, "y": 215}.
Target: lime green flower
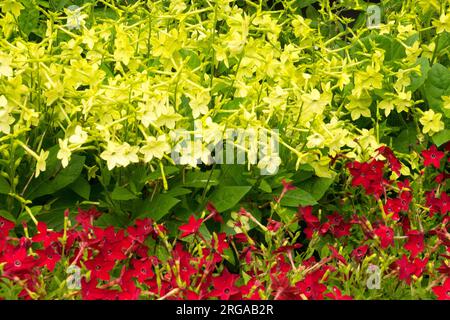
{"x": 359, "y": 105}
{"x": 79, "y": 137}
{"x": 12, "y": 6}
{"x": 446, "y": 100}
{"x": 431, "y": 122}
{"x": 155, "y": 148}
{"x": 64, "y": 152}
{"x": 5, "y": 117}
{"x": 119, "y": 155}
{"x": 443, "y": 24}
{"x": 41, "y": 162}
{"x": 5, "y": 65}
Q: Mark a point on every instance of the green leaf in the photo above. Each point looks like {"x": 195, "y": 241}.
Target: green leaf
{"x": 198, "y": 179}
{"x": 226, "y": 197}
{"x": 264, "y": 186}
{"x": 178, "y": 191}
{"x": 122, "y": 194}
{"x": 7, "y": 215}
{"x": 436, "y": 86}
{"x": 441, "y": 137}
{"x": 55, "y": 177}
{"x": 158, "y": 207}
{"x": 418, "y": 79}
{"x": 298, "y": 197}
{"x": 81, "y": 187}
{"x": 4, "y": 186}
{"x": 317, "y": 186}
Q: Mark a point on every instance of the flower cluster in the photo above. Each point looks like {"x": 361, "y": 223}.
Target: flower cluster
{"x": 308, "y": 256}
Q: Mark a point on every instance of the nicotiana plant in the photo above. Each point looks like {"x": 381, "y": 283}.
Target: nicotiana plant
{"x": 153, "y": 109}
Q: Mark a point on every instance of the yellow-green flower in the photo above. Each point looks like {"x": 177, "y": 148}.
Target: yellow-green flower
{"x": 41, "y": 162}
{"x": 431, "y": 122}
{"x": 155, "y": 148}
{"x": 443, "y": 24}
{"x": 64, "y": 152}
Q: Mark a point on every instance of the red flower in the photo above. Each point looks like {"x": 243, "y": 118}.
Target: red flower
{"x": 214, "y": 213}
{"x": 335, "y": 254}
{"x": 336, "y": 294}
{"x": 287, "y": 248}
{"x": 48, "y": 257}
{"x": 191, "y": 227}
{"x": 311, "y": 287}
{"x": 415, "y": 243}
{"x": 5, "y": 226}
{"x": 394, "y": 164}
{"x": 18, "y": 261}
{"x": 432, "y": 157}
{"x": 392, "y": 208}
{"x": 443, "y": 292}
{"x": 360, "y": 252}
{"x": 224, "y": 285}
{"x": 408, "y": 268}
{"x": 100, "y": 268}
{"x": 142, "y": 269}
{"x": 282, "y": 289}
{"x": 273, "y": 225}
{"x": 86, "y": 218}
{"x": 386, "y": 235}
{"x": 220, "y": 243}
{"x": 369, "y": 175}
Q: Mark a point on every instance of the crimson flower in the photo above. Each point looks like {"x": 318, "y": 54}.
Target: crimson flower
{"x": 415, "y": 243}
{"x": 5, "y": 226}
{"x": 311, "y": 287}
{"x": 408, "y": 268}
{"x": 282, "y": 288}
{"x": 335, "y": 254}
{"x": 443, "y": 292}
{"x": 86, "y": 218}
{"x": 360, "y": 252}
{"x": 215, "y": 214}
{"x": 191, "y": 227}
{"x": 432, "y": 157}
{"x": 394, "y": 164}
{"x": 386, "y": 235}
{"x": 18, "y": 260}
{"x": 99, "y": 268}
{"x": 48, "y": 257}
{"x": 273, "y": 225}
{"x": 336, "y": 294}
{"x": 224, "y": 285}
{"x": 142, "y": 269}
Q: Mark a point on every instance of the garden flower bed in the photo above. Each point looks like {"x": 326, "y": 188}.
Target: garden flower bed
{"x": 219, "y": 149}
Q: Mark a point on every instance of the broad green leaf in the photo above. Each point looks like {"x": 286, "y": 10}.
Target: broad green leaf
{"x": 81, "y": 187}
{"x": 418, "y": 79}
{"x": 199, "y": 179}
{"x": 158, "y": 207}
{"x": 298, "y": 197}
{"x": 123, "y": 194}
{"x": 178, "y": 191}
{"x": 441, "y": 137}
{"x": 436, "y": 86}
{"x": 264, "y": 186}
{"x": 226, "y": 197}
{"x": 7, "y": 215}
{"x": 55, "y": 177}
{"x": 317, "y": 186}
